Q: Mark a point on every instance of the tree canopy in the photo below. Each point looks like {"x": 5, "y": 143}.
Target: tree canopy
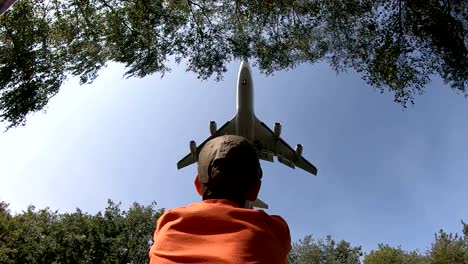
{"x": 395, "y": 45}
{"x": 46, "y": 236}
{"x": 386, "y": 254}
{"x": 309, "y": 250}
{"x": 118, "y": 236}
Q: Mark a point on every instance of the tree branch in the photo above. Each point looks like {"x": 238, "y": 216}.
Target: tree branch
{"x": 199, "y": 30}
{"x": 87, "y": 22}
{"x": 203, "y": 11}
{"x": 105, "y": 4}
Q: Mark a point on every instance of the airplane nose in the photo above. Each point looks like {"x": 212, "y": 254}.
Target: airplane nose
{"x": 245, "y": 64}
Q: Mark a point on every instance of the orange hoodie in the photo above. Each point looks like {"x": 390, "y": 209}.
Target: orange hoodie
{"x": 218, "y": 231}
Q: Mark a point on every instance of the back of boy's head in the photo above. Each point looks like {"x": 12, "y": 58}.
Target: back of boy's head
{"x": 228, "y": 167}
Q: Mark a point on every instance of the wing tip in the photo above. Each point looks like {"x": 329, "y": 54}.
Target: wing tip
{"x": 179, "y": 164}
{"x": 314, "y": 172}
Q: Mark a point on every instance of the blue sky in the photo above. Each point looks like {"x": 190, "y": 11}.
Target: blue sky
{"x": 386, "y": 175}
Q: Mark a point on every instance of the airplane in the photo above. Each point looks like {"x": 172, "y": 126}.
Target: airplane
{"x": 267, "y": 142}
{"x": 5, "y": 4}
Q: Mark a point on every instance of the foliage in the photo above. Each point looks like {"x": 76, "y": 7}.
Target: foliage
{"x": 449, "y": 248}
{"x": 446, "y": 249}
{"x": 394, "y": 45}
{"x": 308, "y": 250}
{"x": 45, "y": 236}
{"x": 31, "y": 66}
{"x": 389, "y": 255}
{"x": 116, "y": 236}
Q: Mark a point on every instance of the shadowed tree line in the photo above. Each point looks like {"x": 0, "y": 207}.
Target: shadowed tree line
{"x": 118, "y": 236}
{"x": 45, "y": 236}
{"x": 447, "y": 248}
{"x": 394, "y": 45}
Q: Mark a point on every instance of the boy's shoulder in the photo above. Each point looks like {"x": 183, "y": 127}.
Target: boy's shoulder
{"x": 223, "y": 209}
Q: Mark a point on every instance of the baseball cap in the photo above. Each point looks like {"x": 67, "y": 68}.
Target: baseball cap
{"x": 229, "y": 165}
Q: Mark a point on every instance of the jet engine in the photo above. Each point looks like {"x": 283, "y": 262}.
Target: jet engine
{"x": 193, "y": 148}
{"x": 277, "y": 129}
{"x": 213, "y": 128}
{"x": 299, "y": 149}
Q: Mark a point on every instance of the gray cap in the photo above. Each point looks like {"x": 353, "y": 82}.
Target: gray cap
{"x": 228, "y": 164}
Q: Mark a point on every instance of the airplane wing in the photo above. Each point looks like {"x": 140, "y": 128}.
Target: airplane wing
{"x": 267, "y": 142}
{"x": 186, "y": 161}
{"x": 227, "y": 128}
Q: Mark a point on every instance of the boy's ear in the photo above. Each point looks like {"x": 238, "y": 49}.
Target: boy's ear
{"x": 253, "y": 192}
{"x": 198, "y": 186}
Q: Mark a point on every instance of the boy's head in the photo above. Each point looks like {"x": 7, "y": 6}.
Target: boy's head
{"x": 228, "y": 168}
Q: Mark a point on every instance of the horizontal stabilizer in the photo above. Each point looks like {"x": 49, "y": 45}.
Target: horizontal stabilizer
{"x": 260, "y": 204}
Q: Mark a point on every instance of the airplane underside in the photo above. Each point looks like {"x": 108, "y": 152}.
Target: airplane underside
{"x": 267, "y": 142}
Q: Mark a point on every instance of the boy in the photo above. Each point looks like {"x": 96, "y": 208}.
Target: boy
{"x": 223, "y": 228}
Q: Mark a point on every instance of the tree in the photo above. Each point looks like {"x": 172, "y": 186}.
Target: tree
{"x": 389, "y": 255}
{"x": 45, "y": 236}
{"x": 326, "y": 251}
{"x": 117, "y": 236}
{"x": 31, "y": 69}
{"x": 446, "y": 249}
{"x": 395, "y": 45}
{"x": 449, "y": 248}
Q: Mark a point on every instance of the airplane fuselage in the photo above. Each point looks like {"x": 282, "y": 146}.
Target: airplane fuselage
{"x": 245, "y": 123}
{"x": 245, "y": 117}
